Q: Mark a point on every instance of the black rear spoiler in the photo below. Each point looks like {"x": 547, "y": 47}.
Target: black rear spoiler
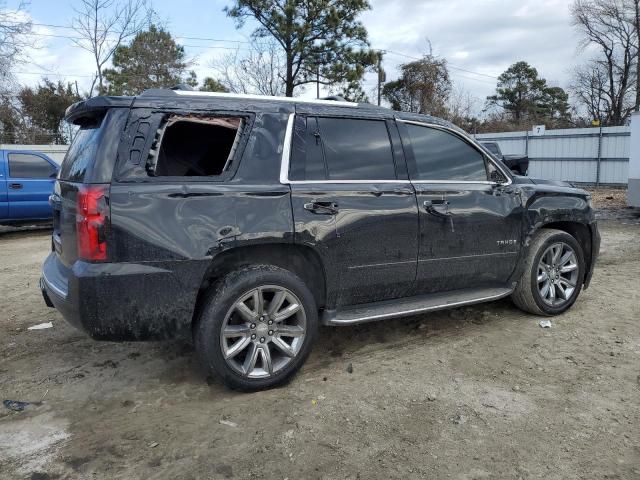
{"x": 92, "y": 109}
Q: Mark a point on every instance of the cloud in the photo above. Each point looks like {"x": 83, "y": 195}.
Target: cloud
{"x": 475, "y": 36}
{"x": 479, "y": 36}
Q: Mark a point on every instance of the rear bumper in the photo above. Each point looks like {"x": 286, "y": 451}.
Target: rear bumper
{"x": 112, "y": 301}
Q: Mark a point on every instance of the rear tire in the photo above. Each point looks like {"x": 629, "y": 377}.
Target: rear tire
{"x": 256, "y": 327}
{"x": 553, "y": 274}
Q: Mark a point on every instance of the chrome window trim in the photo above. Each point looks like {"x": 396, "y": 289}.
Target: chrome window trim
{"x": 476, "y": 182}
{"x": 307, "y": 182}
{"x": 470, "y": 140}
{"x": 286, "y": 150}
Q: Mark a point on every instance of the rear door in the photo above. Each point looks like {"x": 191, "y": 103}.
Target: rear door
{"x": 470, "y": 227}
{"x": 4, "y": 201}
{"x": 29, "y": 183}
{"x": 350, "y": 200}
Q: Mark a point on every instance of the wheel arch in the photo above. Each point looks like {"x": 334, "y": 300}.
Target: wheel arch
{"x": 581, "y": 232}
{"x": 298, "y": 259}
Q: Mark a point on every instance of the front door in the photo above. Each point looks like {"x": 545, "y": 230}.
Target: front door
{"x": 30, "y": 182}
{"x": 470, "y": 227}
{"x": 349, "y": 203}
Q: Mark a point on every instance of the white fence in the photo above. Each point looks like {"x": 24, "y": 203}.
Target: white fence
{"x": 584, "y": 155}
{"x": 55, "y": 152}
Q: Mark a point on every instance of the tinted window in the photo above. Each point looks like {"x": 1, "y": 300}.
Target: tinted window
{"x": 307, "y": 161}
{"x": 356, "y": 149}
{"x": 26, "y": 165}
{"x": 81, "y": 154}
{"x": 442, "y": 156}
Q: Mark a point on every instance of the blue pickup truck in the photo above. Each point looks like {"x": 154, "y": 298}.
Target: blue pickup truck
{"x": 26, "y": 181}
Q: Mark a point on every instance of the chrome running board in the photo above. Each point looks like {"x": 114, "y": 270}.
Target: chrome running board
{"x": 411, "y": 305}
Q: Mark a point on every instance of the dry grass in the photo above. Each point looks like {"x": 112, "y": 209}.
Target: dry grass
{"x": 607, "y": 197}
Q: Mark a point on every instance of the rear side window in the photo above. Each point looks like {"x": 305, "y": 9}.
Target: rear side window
{"x": 357, "y": 149}
{"x": 197, "y": 146}
{"x": 27, "y": 165}
{"x": 440, "y": 155}
{"x": 81, "y": 154}
{"x": 344, "y": 149}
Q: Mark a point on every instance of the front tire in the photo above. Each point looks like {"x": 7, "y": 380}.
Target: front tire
{"x": 256, "y": 328}
{"x": 553, "y": 274}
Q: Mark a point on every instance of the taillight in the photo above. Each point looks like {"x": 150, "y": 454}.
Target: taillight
{"x": 91, "y": 222}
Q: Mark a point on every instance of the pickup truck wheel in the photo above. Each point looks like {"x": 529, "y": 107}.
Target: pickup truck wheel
{"x": 256, "y": 327}
{"x": 553, "y": 274}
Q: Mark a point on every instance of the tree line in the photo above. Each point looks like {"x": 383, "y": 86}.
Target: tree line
{"x": 303, "y": 44}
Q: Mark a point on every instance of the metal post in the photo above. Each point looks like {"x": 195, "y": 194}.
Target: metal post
{"x": 526, "y": 143}
{"x": 318, "y": 81}
{"x": 633, "y": 192}
{"x": 599, "y": 156}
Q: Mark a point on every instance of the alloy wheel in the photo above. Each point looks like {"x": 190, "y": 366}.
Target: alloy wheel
{"x": 557, "y": 275}
{"x": 263, "y": 331}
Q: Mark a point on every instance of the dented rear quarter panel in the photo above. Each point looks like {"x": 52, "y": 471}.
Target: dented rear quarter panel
{"x": 169, "y": 230}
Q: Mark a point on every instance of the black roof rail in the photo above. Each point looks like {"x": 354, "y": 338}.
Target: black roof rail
{"x": 335, "y": 98}
{"x": 182, "y": 86}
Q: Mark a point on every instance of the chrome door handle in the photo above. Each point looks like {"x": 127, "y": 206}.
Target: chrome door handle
{"x": 322, "y": 208}
{"x": 431, "y": 207}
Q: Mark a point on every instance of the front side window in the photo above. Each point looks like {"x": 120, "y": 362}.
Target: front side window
{"x": 27, "y": 165}
{"x": 440, "y": 155}
{"x": 341, "y": 149}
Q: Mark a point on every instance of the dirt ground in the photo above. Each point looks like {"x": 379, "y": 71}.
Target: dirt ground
{"x": 472, "y": 393}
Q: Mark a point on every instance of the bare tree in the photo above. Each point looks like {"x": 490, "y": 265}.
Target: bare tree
{"x": 260, "y": 69}
{"x": 15, "y": 28}
{"x": 636, "y": 26}
{"x": 589, "y": 87}
{"x": 461, "y": 104}
{"x": 424, "y": 86}
{"x": 461, "y": 109}
{"x": 609, "y": 25}
{"x": 106, "y": 24}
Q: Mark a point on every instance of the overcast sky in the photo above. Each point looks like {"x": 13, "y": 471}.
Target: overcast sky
{"x": 479, "y": 38}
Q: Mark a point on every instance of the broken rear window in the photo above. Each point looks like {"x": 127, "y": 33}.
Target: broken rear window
{"x": 194, "y": 146}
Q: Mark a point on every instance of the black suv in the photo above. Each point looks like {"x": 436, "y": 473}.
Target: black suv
{"x": 246, "y": 221}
